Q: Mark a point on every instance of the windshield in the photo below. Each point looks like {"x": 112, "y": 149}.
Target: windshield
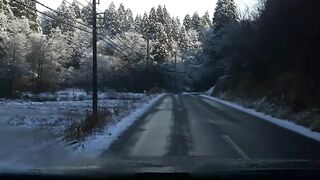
{"x": 158, "y": 86}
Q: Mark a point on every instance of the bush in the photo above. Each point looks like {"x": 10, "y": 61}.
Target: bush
{"x": 78, "y": 130}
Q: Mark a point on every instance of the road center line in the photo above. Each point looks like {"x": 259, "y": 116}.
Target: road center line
{"x": 235, "y": 147}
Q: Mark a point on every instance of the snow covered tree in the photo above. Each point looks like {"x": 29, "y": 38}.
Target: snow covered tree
{"x": 14, "y": 57}
{"x": 131, "y": 39}
{"x": 65, "y": 16}
{"x": 183, "y": 39}
{"x": 138, "y": 24}
{"x": 160, "y": 49}
{"x": 175, "y": 29}
{"x": 129, "y": 21}
{"x": 187, "y": 22}
{"x": 41, "y": 64}
{"x": 196, "y": 22}
{"x": 75, "y": 9}
{"x": 61, "y": 55}
{"x": 122, "y": 18}
{"x": 80, "y": 44}
{"x": 160, "y": 15}
{"x": 5, "y": 16}
{"x": 225, "y": 13}
{"x": 86, "y": 14}
{"x": 32, "y": 16}
{"x": 112, "y": 22}
{"x": 21, "y": 9}
{"x": 152, "y": 23}
{"x": 145, "y": 25}
{"x": 47, "y": 23}
{"x": 18, "y": 9}
{"x": 168, "y": 24}
{"x": 206, "y": 18}
{"x": 4, "y": 7}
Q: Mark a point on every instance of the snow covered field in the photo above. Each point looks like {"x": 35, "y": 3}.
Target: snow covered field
{"x": 54, "y": 115}
{"x": 31, "y": 132}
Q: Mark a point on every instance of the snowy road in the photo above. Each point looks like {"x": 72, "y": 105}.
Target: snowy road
{"x": 190, "y": 125}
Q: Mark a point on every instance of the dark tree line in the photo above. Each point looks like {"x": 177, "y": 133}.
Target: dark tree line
{"x": 274, "y": 52}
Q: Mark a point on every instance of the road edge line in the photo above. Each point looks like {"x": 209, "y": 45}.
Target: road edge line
{"x": 235, "y": 147}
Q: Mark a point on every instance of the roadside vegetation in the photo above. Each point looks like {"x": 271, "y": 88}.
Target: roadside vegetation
{"x": 266, "y": 58}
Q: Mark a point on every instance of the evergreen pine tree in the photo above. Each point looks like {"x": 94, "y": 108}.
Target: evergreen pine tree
{"x": 152, "y": 27}
{"x": 76, "y": 9}
{"x": 196, "y": 22}
{"x": 22, "y": 11}
{"x": 122, "y": 18}
{"x": 225, "y": 13}
{"x": 183, "y": 39}
{"x": 160, "y": 16}
{"x": 138, "y": 25}
{"x": 86, "y": 14}
{"x": 160, "y": 49}
{"x": 112, "y": 22}
{"x": 145, "y": 25}
{"x": 206, "y": 17}
{"x": 129, "y": 21}
{"x": 187, "y": 22}
{"x": 65, "y": 16}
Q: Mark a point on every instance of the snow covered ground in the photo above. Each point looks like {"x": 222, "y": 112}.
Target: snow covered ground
{"x": 63, "y": 106}
{"x": 287, "y": 124}
{"x": 80, "y": 95}
{"x": 31, "y": 132}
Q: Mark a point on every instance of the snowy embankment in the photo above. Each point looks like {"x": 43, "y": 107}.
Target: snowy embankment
{"x": 94, "y": 145}
{"x": 287, "y": 124}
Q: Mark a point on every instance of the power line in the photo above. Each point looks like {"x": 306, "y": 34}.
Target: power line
{"x": 114, "y": 45}
{"x": 91, "y": 6}
{"x": 84, "y": 30}
{"x": 58, "y": 13}
{"x": 106, "y": 36}
{"x": 124, "y": 43}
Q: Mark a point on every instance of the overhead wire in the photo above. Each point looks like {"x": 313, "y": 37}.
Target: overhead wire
{"x": 113, "y": 44}
{"x": 62, "y": 21}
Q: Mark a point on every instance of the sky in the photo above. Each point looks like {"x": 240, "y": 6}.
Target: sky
{"x": 175, "y": 7}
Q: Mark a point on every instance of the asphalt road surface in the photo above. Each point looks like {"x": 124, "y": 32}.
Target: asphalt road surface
{"x": 190, "y": 125}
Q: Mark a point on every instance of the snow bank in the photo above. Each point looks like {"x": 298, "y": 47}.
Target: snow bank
{"x": 94, "y": 145}
{"x": 287, "y": 124}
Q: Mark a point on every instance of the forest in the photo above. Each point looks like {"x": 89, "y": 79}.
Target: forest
{"x": 267, "y": 51}
{"x": 52, "y": 50}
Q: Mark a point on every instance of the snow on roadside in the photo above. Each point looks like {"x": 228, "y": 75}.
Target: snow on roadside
{"x": 94, "y": 145}
{"x": 51, "y": 115}
{"x": 287, "y": 124}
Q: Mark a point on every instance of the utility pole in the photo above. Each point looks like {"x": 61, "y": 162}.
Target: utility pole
{"x": 175, "y": 71}
{"x": 148, "y": 52}
{"x": 94, "y": 61}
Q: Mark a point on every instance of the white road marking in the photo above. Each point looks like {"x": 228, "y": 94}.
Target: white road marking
{"x": 235, "y": 147}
